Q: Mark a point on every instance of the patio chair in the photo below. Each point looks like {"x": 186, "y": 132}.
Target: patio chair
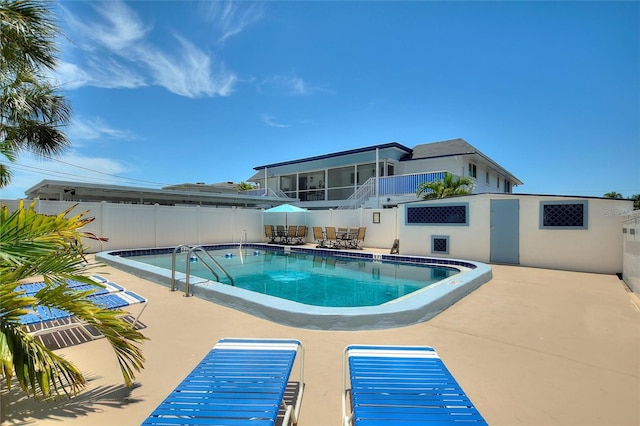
{"x": 240, "y": 381}
{"x": 342, "y": 232}
{"x": 358, "y": 238}
{"x": 319, "y": 237}
{"x": 270, "y": 233}
{"x": 301, "y": 234}
{"x": 331, "y": 237}
{"x": 402, "y": 385}
{"x": 292, "y": 231}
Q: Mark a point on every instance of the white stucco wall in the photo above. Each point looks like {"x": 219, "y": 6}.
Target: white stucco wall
{"x": 465, "y": 242}
{"x": 595, "y": 249}
{"x": 599, "y": 248}
{"x": 631, "y": 252}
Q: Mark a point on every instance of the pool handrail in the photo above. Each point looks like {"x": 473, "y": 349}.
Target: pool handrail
{"x": 194, "y": 251}
{"x": 173, "y": 264}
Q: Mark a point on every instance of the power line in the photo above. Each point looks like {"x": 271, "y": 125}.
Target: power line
{"x": 58, "y": 174}
{"x": 106, "y": 174}
{"x": 116, "y": 178}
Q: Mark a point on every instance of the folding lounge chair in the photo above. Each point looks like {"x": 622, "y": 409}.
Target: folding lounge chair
{"x": 105, "y": 286}
{"x": 270, "y": 233}
{"x": 332, "y": 238}
{"x": 301, "y": 234}
{"x": 319, "y": 237}
{"x": 402, "y": 385}
{"x": 239, "y": 382}
{"x": 43, "y": 319}
{"x": 292, "y": 231}
{"x": 358, "y": 238}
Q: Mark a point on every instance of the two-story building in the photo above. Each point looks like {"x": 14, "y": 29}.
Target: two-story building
{"x": 381, "y": 175}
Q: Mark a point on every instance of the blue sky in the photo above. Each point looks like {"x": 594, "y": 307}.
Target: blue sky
{"x": 174, "y": 92}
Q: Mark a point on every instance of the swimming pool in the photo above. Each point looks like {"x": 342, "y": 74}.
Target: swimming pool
{"x": 316, "y": 280}
{"x": 410, "y": 292}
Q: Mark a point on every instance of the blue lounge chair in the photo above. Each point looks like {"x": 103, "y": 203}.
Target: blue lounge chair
{"x": 105, "y": 286}
{"x": 402, "y": 385}
{"x": 239, "y": 382}
{"x": 52, "y": 319}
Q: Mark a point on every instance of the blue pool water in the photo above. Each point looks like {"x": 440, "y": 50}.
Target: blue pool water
{"x": 312, "y": 279}
{"x": 315, "y": 288}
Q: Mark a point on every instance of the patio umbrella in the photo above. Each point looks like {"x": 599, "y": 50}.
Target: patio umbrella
{"x": 286, "y": 209}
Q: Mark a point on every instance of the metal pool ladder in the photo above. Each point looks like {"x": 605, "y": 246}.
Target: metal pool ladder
{"x": 195, "y": 251}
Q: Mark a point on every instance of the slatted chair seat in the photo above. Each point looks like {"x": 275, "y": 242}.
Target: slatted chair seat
{"x": 406, "y": 385}
{"x": 239, "y": 382}
{"x": 105, "y": 286}
{"x": 43, "y": 319}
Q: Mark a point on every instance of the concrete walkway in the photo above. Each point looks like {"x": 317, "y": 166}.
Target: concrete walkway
{"x": 530, "y": 347}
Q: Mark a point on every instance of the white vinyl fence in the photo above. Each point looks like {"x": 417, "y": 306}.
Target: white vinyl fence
{"x": 596, "y": 248}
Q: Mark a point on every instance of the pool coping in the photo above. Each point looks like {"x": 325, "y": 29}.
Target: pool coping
{"x": 416, "y": 307}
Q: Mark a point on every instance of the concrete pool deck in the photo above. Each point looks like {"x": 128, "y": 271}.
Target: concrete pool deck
{"x": 530, "y": 347}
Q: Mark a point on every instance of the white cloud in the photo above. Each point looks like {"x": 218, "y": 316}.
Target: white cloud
{"x": 298, "y": 86}
{"x": 30, "y": 170}
{"x": 122, "y": 28}
{"x": 293, "y": 85}
{"x": 190, "y": 74}
{"x": 92, "y": 129}
{"x": 99, "y": 72}
{"x": 121, "y": 55}
{"x": 268, "y": 120}
{"x": 231, "y": 18}
{"x": 70, "y": 76}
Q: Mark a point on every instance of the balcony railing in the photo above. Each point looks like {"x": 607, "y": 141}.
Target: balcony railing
{"x": 264, "y": 192}
{"x": 390, "y": 185}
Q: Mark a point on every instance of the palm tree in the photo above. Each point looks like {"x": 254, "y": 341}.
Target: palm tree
{"x": 50, "y": 248}
{"x": 636, "y": 201}
{"x": 447, "y": 187}
{"x": 612, "y": 194}
{"x": 32, "y": 112}
{"x": 244, "y": 186}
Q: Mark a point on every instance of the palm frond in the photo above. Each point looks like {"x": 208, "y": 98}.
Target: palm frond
{"x": 50, "y": 247}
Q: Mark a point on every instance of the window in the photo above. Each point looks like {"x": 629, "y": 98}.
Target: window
{"x": 390, "y": 169}
{"x": 310, "y": 186}
{"x": 473, "y": 172}
{"x": 365, "y": 172}
{"x": 563, "y": 214}
{"x": 340, "y": 177}
{"x": 288, "y": 185}
{"x": 486, "y": 179}
{"x": 448, "y": 214}
{"x": 440, "y": 244}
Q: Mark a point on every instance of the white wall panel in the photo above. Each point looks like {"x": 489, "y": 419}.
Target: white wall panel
{"x": 599, "y": 248}
{"x": 631, "y": 253}
{"x": 595, "y": 249}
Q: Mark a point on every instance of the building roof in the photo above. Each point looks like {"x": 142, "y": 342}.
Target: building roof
{"x": 442, "y": 149}
{"x": 80, "y": 191}
{"x": 337, "y": 154}
{"x": 454, "y": 147}
{"x": 226, "y": 187}
{"x": 447, "y": 148}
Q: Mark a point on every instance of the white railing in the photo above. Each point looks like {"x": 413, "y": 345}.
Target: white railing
{"x": 264, "y": 192}
{"x": 362, "y": 194}
{"x": 390, "y": 185}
